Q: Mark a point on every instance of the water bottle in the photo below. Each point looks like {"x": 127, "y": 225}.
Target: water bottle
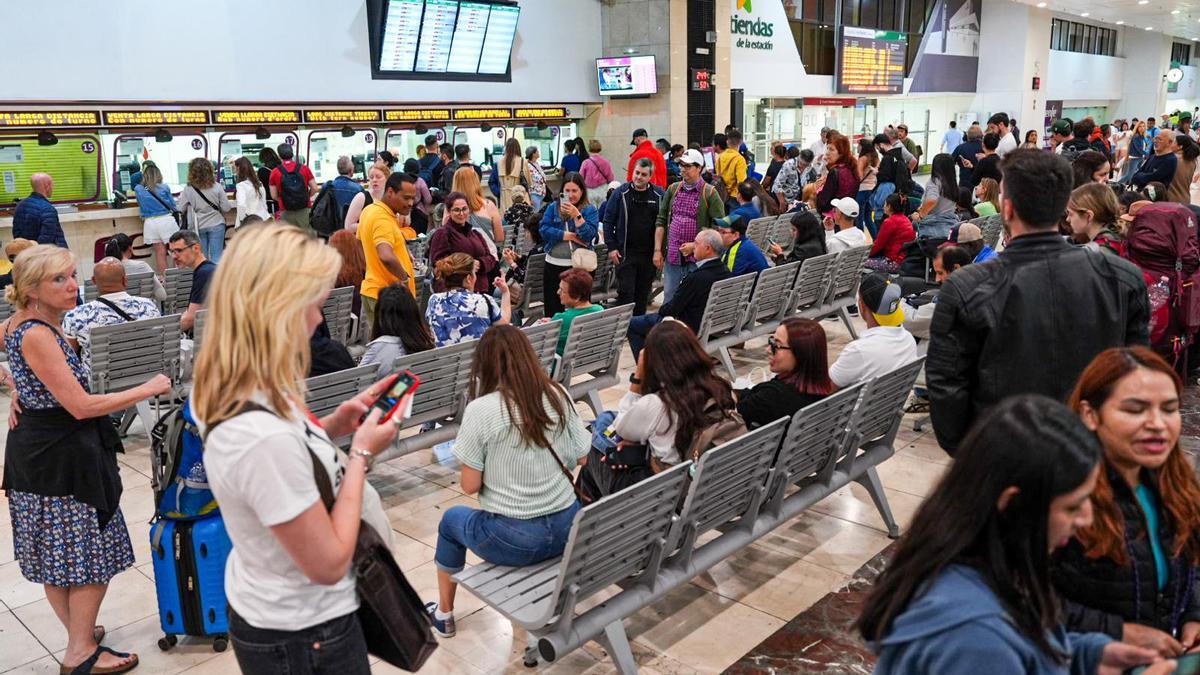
{"x": 1160, "y": 293}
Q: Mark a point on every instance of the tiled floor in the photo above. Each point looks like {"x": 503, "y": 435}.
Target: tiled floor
{"x": 705, "y": 626}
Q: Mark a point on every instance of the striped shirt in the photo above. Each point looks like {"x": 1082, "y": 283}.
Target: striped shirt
{"x": 684, "y": 209}
{"x": 519, "y": 480}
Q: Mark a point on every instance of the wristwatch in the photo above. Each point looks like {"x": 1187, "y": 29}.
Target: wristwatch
{"x": 368, "y": 458}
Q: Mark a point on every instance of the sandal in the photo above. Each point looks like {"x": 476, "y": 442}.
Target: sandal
{"x": 89, "y": 666}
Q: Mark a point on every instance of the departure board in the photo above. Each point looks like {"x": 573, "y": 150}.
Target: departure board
{"x": 443, "y": 39}
{"x": 871, "y": 62}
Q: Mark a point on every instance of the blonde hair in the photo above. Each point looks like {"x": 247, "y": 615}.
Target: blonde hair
{"x": 200, "y": 174}
{"x": 466, "y": 181}
{"x": 151, "y": 176}
{"x": 454, "y": 269}
{"x": 33, "y": 266}
{"x": 382, "y": 168}
{"x": 991, "y": 192}
{"x": 255, "y": 338}
{"x": 1100, "y": 200}
{"x": 17, "y": 245}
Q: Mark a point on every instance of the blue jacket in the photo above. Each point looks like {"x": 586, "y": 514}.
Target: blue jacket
{"x": 345, "y": 189}
{"x": 149, "y": 206}
{"x": 956, "y": 625}
{"x": 747, "y": 257}
{"x": 36, "y": 220}
{"x": 985, "y": 254}
{"x": 747, "y": 211}
{"x": 553, "y": 227}
{"x": 616, "y": 212}
{"x": 1159, "y": 168}
{"x": 430, "y": 164}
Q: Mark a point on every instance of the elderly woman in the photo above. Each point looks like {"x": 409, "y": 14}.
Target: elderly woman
{"x": 60, "y": 464}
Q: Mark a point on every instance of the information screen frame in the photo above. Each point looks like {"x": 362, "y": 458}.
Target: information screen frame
{"x": 881, "y": 42}
{"x": 377, "y": 17}
{"x": 607, "y": 63}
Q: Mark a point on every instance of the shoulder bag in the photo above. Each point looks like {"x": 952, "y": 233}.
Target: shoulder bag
{"x": 582, "y": 257}
{"x": 174, "y": 212}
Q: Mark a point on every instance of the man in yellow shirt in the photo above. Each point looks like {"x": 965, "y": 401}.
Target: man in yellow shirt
{"x": 730, "y": 164}
{"x": 383, "y": 243}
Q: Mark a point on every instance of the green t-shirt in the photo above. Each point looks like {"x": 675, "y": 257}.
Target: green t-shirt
{"x": 567, "y": 316}
{"x": 985, "y": 209}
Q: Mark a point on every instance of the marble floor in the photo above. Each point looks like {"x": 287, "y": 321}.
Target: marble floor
{"x": 704, "y": 627}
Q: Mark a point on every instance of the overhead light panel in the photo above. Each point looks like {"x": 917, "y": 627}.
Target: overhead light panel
{"x": 1174, "y": 11}
{"x": 1086, "y": 14}
{"x": 1149, "y": 28}
{"x": 1120, "y": 23}
{"x": 1041, "y": 4}
{"x": 1143, "y": 2}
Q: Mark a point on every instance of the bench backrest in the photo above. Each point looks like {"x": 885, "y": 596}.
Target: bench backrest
{"x": 816, "y": 437}
{"x": 327, "y": 392}
{"x": 620, "y": 536}
{"x": 602, "y": 275}
{"x": 445, "y": 375}
{"x": 198, "y": 325}
{"x": 883, "y": 401}
{"x": 128, "y": 354}
{"x": 772, "y": 293}
{"x": 781, "y": 231}
{"x": 417, "y": 248}
{"x": 991, "y": 227}
{"x": 847, "y": 272}
{"x": 337, "y": 310}
{"x": 726, "y": 306}
{"x": 532, "y": 290}
{"x": 178, "y": 283}
{"x": 140, "y": 284}
{"x": 544, "y": 338}
{"x": 812, "y": 281}
{"x": 6, "y": 310}
{"x": 759, "y": 229}
{"x": 594, "y": 343}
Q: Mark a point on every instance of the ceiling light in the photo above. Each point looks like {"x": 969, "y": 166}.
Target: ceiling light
{"x": 1120, "y": 23}
{"x": 1149, "y": 28}
{"x": 1143, "y": 2}
{"x": 1174, "y": 11}
{"x": 1085, "y": 14}
{"x": 1041, "y": 4}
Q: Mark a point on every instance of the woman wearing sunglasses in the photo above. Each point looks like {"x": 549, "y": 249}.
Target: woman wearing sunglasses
{"x": 798, "y": 359}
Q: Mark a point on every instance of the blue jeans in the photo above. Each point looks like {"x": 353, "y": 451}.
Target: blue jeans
{"x": 639, "y": 328}
{"x": 336, "y": 646}
{"x": 212, "y": 242}
{"x": 866, "y": 218}
{"x": 1132, "y": 164}
{"x": 500, "y": 539}
{"x": 537, "y": 201}
{"x": 672, "y": 276}
{"x": 878, "y": 197}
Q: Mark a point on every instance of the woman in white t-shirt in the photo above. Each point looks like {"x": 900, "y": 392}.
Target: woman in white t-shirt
{"x": 251, "y": 196}
{"x": 291, "y": 594}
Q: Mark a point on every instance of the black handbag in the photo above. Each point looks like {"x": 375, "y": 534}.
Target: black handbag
{"x": 393, "y": 618}
{"x": 174, "y": 212}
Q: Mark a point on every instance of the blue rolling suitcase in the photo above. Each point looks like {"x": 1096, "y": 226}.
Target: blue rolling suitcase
{"x": 189, "y": 577}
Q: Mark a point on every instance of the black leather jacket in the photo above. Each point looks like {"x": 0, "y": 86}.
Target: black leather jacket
{"x": 1101, "y": 596}
{"x": 1028, "y": 321}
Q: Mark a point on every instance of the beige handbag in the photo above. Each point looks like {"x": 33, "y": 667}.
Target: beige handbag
{"x": 583, "y": 258}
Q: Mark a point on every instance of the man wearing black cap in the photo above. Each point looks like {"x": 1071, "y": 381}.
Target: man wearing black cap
{"x": 885, "y": 345}
{"x": 644, "y": 147}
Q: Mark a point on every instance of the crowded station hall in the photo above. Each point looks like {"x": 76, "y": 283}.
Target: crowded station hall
{"x": 659, "y": 336}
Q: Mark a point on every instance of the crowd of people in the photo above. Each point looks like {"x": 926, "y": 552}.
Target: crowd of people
{"x": 1065, "y": 534}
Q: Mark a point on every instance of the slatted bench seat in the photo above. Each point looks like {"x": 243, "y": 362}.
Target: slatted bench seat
{"x": 338, "y": 313}
{"x": 140, "y": 284}
{"x": 127, "y": 355}
{"x": 593, "y": 351}
{"x": 843, "y": 289}
{"x": 768, "y": 304}
{"x": 812, "y": 285}
{"x": 531, "y": 306}
{"x": 724, "y": 315}
{"x": 178, "y": 284}
{"x": 326, "y": 392}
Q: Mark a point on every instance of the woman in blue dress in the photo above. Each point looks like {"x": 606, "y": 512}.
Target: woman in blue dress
{"x": 461, "y": 314}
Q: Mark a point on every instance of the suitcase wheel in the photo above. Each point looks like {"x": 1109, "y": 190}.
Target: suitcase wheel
{"x": 220, "y": 644}
{"x": 167, "y": 641}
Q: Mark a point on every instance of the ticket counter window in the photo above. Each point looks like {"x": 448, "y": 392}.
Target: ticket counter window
{"x": 171, "y": 157}
{"x": 403, "y": 143}
{"x": 486, "y": 146}
{"x": 233, "y": 145}
{"x": 324, "y": 148}
{"x": 74, "y": 164}
{"x": 548, "y": 142}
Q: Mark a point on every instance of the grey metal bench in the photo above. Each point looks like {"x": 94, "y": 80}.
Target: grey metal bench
{"x": 843, "y": 286}
{"x": 531, "y": 306}
{"x": 445, "y": 380}
{"x": 140, "y": 284}
{"x": 812, "y": 285}
{"x": 767, "y": 306}
{"x": 178, "y": 284}
{"x": 326, "y": 392}
{"x": 991, "y": 227}
{"x": 723, "y": 316}
{"x": 199, "y": 323}
{"x": 128, "y": 354}
{"x": 544, "y": 338}
{"x": 593, "y": 350}
{"x": 337, "y": 311}
{"x": 602, "y": 277}
{"x": 759, "y": 229}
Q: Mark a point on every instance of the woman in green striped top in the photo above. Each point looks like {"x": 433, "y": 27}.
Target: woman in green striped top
{"x": 518, "y": 436}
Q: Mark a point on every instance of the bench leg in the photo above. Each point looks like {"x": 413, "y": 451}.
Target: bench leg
{"x": 727, "y": 361}
{"x": 617, "y": 644}
{"x": 595, "y": 403}
{"x": 126, "y": 421}
{"x": 147, "y": 414}
{"x": 846, "y": 320}
{"x": 870, "y": 480}
{"x": 919, "y": 424}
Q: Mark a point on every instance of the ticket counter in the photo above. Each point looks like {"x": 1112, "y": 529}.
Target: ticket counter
{"x": 170, "y": 152}
{"x": 325, "y": 146}
{"x": 234, "y": 144}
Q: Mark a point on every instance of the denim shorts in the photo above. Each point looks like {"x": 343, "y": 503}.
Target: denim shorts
{"x": 336, "y": 647}
{"x": 500, "y": 539}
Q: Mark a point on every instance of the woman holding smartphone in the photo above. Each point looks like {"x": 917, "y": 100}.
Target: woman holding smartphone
{"x": 291, "y": 593}
{"x": 569, "y": 224}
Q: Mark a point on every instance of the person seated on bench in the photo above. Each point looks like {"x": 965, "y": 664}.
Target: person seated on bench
{"x": 184, "y": 247}
{"x": 399, "y": 329}
{"x": 575, "y": 293}
{"x": 840, "y": 232}
{"x": 885, "y": 345}
{"x": 741, "y": 256}
{"x": 970, "y": 237}
{"x": 112, "y": 307}
{"x": 808, "y": 240}
{"x": 328, "y": 355}
{"x": 519, "y": 435}
{"x": 691, "y": 298}
{"x": 798, "y": 359}
{"x": 674, "y": 395}
{"x": 460, "y": 314}
{"x": 887, "y": 251}
{"x": 918, "y": 309}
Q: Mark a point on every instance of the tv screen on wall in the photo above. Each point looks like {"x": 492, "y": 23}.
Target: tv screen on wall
{"x": 442, "y": 39}
{"x": 627, "y": 76}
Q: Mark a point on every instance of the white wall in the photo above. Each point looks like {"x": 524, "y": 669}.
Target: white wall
{"x": 1013, "y": 49}
{"x": 1143, "y": 90}
{"x": 233, "y": 50}
{"x": 1073, "y": 77}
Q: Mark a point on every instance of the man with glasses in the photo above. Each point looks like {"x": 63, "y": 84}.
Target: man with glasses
{"x": 184, "y": 247}
{"x": 383, "y": 244}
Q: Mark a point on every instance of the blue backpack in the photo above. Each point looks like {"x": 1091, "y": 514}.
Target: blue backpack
{"x": 180, "y": 482}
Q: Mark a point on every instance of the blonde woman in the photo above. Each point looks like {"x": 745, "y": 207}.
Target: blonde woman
{"x": 59, "y": 464}
{"x": 377, "y": 177}
{"x": 156, "y": 204}
{"x": 988, "y": 192}
{"x": 288, "y": 581}
{"x": 205, "y": 200}
{"x": 485, "y": 216}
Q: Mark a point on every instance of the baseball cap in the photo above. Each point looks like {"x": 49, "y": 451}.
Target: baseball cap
{"x": 1185, "y": 116}
{"x": 692, "y": 157}
{"x": 968, "y": 232}
{"x": 847, "y": 205}
{"x": 639, "y": 132}
{"x": 614, "y": 185}
{"x": 881, "y": 295}
{"x": 729, "y": 222}
{"x": 1061, "y": 127}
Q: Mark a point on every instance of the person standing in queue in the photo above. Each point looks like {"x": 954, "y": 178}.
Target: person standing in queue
{"x": 644, "y": 148}
{"x": 268, "y": 161}
{"x": 155, "y": 204}
{"x": 383, "y": 243}
{"x": 206, "y": 202}
{"x": 537, "y": 177}
{"x": 570, "y": 224}
{"x": 629, "y": 225}
{"x": 35, "y": 218}
{"x": 289, "y": 583}
{"x": 60, "y": 467}
{"x": 292, "y": 187}
{"x": 251, "y": 196}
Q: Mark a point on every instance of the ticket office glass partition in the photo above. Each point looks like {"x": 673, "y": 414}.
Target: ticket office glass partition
{"x": 74, "y": 163}
{"x": 405, "y": 143}
{"x": 231, "y": 145}
{"x": 325, "y": 146}
{"x": 548, "y": 141}
{"x": 486, "y": 146}
{"x": 132, "y": 151}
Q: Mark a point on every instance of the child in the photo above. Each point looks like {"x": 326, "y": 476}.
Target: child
{"x": 887, "y": 252}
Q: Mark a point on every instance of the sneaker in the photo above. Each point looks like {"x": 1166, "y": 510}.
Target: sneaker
{"x": 443, "y": 627}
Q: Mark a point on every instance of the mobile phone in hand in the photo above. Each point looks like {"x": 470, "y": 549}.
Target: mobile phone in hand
{"x": 396, "y": 396}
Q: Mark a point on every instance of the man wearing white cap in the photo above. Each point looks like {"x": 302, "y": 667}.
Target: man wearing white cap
{"x": 840, "y": 232}
{"x": 689, "y": 206}
{"x": 885, "y": 345}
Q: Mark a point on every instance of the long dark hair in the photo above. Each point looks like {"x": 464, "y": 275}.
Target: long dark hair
{"x": 1030, "y": 442}
{"x": 245, "y": 171}
{"x": 268, "y": 158}
{"x": 806, "y": 339}
{"x": 1187, "y": 146}
{"x": 1087, "y": 163}
{"x": 512, "y": 153}
{"x": 117, "y": 245}
{"x": 581, "y": 148}
{"x": 683, "y": 376}
{"x": 399, "y": 314}
{"x": 808, "y": 228}
{"x": 576, "y": 178}
{"x": 943, "y": 170}
{"x": 505, "y": 362}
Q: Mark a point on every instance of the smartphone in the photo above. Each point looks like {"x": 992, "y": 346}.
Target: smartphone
{"x": 395, "y": 398}
{"x": 1188, "y": 664}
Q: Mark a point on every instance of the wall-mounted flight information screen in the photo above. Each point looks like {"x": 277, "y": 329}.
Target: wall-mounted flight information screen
{"x": 871, "y": 62}
{"x": 443, "y": 39}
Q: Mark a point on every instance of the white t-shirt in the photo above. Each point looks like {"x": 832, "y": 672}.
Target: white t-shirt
{"x": 262, "y": 476}
{"x": 1008, "y": 143}
{"x": 877, "y": 351}
{"x": 842, "y": 240}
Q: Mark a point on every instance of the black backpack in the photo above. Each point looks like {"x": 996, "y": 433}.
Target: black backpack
{"x": 892, "y": 166}
{"x": 326, "y": 216}
{"x": 293, "y": 189}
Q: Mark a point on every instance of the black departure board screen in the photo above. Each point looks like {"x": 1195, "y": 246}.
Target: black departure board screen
{"x": 871, "y": 62}
{"x": 442, "y": 39}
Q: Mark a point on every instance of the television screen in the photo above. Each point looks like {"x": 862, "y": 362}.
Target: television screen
{"x": 627, "y": 76}
{"x": 871, "y": 61}
{"x": 442, "y": 39}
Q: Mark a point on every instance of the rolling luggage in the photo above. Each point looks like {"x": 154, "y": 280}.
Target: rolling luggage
{"x": 189, "y": 578}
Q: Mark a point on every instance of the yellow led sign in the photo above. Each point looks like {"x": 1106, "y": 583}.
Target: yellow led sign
{"x": 49, "y": 118}
{"x": 479, "y": 114}
{"x": 538, "y": 113}
{"x": 142, "y": 118}
{"x": 417, "y": 115}
{"x": 256, "y": 116}
{"x": 340, "y": 116}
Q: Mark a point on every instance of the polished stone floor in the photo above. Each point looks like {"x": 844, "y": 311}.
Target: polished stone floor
{"x": 706, "y": 626}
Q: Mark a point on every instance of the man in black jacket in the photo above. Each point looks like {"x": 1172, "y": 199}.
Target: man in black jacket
{"x": 1031, "y": 320}
{"x": 629, "y": 221}
{"x": 690, "y": 299}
